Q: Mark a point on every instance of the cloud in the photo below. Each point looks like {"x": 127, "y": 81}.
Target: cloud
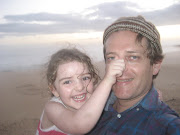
{"x": 42, "y": 17}
{"x": 95, "y": 18}
{"x": 60, "y": 23}
{"x": 114, "y": 10}
{"x": 166, "y": 16}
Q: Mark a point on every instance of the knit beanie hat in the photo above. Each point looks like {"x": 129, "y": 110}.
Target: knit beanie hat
{"x": 138, "y": 25}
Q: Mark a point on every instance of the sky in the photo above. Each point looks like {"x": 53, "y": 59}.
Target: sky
{"x": 29, "y": 24}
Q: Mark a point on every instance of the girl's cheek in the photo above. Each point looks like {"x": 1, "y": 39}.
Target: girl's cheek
{"x": 90, "y": 88}
{"x": 66, "y": 88}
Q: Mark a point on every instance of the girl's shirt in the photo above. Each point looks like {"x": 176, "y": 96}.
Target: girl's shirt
{"x": 53, "y": 130}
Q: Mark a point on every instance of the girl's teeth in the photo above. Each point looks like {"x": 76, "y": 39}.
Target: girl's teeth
{"x": 81, "y": 97}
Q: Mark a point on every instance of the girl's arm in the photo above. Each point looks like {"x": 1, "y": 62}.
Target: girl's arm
{"x": 84, "y": 119}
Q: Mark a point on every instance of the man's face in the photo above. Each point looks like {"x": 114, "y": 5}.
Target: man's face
{"x": 136, "y": 80}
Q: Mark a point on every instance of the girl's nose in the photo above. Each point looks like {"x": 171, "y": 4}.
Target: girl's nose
{"x": 79, "y": 85}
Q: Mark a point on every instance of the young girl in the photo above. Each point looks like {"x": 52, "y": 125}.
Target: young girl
{"x": 71, "y": 79}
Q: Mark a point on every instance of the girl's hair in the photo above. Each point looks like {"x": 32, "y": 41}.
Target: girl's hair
{"x": 68, "y": 55}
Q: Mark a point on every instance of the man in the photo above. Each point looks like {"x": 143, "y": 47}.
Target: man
{"x": 137, "y": 109}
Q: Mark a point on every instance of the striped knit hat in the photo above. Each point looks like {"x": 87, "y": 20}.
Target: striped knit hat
{"x": 136, "y": 24}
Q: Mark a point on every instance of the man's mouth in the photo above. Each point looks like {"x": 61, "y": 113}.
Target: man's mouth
{"x": 124, "y": 80}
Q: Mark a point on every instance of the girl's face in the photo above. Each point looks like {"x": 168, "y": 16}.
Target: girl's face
{"x": 73, "y": 84}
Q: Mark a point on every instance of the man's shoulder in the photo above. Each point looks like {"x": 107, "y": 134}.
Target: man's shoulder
{"x": 165, "y": 114}
{"x": 170, "y": 120}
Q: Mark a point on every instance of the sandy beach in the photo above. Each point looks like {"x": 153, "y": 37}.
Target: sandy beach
{"x": 24, "y": 93}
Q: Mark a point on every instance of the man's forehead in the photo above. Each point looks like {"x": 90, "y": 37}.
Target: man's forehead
{"x": 125, "y": 52}
{"x": 134, "y": 47}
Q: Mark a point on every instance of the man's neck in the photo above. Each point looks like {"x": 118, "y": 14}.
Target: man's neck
{"x": 122, "y": 105}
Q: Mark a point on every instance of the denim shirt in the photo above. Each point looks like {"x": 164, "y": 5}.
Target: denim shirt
{"x": 150, "y": 116}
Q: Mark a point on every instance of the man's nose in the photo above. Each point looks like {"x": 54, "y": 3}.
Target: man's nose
{"x": 126, "y": 65}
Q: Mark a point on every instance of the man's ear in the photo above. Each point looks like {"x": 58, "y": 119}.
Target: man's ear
{"x": 156, "y": 67}
{"x": 53, "y": 90}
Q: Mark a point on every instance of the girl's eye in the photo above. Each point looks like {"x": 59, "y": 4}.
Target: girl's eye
{"x": 67, "y": 82}
{"x": 86, "y": 78}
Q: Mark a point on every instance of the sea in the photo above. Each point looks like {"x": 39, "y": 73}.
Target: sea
{"x": 24, "y": 57}
{"x": 13, "y": 58}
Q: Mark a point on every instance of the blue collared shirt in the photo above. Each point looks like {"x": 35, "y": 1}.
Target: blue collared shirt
{"x": 149, "y": 117}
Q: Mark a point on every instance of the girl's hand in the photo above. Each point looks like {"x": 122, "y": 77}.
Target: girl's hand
{"x": 160, "y": 95}
{"x": 114, "y": 69}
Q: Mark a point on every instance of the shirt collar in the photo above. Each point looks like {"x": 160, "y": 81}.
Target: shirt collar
{"x": 151, "y": 101}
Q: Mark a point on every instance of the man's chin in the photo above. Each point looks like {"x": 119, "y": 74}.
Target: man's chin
{"x": 122, "y": 93}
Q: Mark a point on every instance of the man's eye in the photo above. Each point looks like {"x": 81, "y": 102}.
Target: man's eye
{"x": 110, "y": 58}
{"x": 134, "y": 57}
